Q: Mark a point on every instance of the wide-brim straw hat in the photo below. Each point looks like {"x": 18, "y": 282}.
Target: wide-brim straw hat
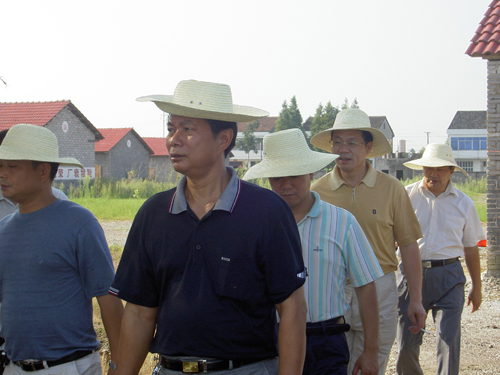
{"x": 35, "y": 143}
{"x": 286, "y": 153}
{"x": 205, "y": 100}
{"x": 354, "y": 119}
{"x": 435, "y": 155}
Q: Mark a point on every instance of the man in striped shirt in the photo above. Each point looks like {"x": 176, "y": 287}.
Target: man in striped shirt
{"x": 334, "y": 247}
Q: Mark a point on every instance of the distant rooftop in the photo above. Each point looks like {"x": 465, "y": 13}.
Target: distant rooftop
{"x": 39, "y": 113}
{"x": 158, "y": 145}
{"x": 469, "y": 120}
{"x": 266, "y": 124}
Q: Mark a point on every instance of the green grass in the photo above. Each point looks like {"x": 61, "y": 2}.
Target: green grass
{"x": 122, "y": 199}
{"x": 475, "y": 189}
{"x": 110, "y": 209}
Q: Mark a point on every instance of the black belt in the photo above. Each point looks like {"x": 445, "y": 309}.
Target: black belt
{"x": 438, "y": 263}
{"x": 202, "y": 365}
{"x": 331, "y": 326}
{"x": 40, "y": 365}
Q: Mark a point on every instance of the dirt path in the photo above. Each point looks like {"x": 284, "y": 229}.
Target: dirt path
{"x": 480, "y": 331}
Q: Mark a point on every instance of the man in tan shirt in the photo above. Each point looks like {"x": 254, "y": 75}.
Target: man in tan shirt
{"x": 384, "y": 211}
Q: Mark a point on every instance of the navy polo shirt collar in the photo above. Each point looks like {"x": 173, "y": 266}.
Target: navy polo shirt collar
{"x": 226, "y": 201}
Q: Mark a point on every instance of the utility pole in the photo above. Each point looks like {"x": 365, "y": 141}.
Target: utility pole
{"x": 427, "y": 136}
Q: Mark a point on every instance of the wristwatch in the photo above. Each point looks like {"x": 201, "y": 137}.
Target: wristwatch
{"x": 112, "y": 365}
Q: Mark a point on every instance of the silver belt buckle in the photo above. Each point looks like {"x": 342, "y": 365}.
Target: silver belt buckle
{"x": 427, "y": 264}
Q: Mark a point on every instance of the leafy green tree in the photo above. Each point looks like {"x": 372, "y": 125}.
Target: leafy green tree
{"x": 289, "y": 117}
{"x": 323, "y": 119}
{"x": 346, "y": 105}
{"x": 249, "y": 142}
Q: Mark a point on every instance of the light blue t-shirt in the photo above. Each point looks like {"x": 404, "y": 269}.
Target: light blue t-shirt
{"x": 52, "y": 262}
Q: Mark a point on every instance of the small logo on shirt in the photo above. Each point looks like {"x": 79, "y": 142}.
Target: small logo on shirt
{"x": 317, "y": 248}
{"x": 374, "y": 212}
{"x": 225, "y": 259}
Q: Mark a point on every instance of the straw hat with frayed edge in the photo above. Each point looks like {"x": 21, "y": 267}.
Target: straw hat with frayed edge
{"x": 286, "y": 153}
{"x": 205, "y": 100}
{"x": 34, "y": 143}
{"x": 435, "y": 155}
{"x": 354, "y": 119}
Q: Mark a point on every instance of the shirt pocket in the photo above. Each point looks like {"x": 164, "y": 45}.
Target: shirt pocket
{"x": 454, "y": 231}
{"x": 236, "y": 278}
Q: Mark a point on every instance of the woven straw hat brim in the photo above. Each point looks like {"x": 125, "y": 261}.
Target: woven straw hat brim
{"x": 286, "y": 153}
{"x": 34, "y": 143}
{"x": 419, "y": 164}
{"x": 285, "y": 168}
{"x": 239, "y": 113}
{"x": 205, "y": 100}
{"x": 381, "y": 145}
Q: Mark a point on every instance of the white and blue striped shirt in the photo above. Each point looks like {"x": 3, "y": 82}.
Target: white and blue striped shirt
{"x": 334, "y": 248}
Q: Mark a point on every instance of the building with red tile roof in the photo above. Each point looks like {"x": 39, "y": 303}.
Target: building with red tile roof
{"x": 486, "y": 40}
{"x": 75, "y": 134}
{"x": 158, "y": 145}
{"x": 486, "y": 44}
{"x": 122, "y": 153}
{"x": 160, "y": 166}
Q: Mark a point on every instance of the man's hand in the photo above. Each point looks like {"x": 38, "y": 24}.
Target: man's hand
{"x": 473, "y": 263}
{"x": 417, "y": 315}
{"x": 367, "y": 362}
{"x": 474, "y": 298}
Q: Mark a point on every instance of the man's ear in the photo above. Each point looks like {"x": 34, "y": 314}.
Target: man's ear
{"x": 44, "y": 169}
{"x": 225, "y": 136}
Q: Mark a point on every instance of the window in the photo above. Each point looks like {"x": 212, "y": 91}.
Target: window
{"x": 466, "y": 165}
{"x": 468, "y": 143}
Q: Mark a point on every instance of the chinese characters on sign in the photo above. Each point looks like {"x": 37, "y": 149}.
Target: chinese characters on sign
{"x": 74, "y": 173}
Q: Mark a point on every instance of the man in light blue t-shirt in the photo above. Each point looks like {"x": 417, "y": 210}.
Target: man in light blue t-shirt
{"x": 53, "y": 260}
{"x": 334, "y": 248}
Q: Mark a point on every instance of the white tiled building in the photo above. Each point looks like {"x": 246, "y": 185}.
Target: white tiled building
{"x": 467, "y": 137}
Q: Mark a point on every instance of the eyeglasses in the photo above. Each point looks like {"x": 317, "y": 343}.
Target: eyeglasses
{"x": 350, "y": 145}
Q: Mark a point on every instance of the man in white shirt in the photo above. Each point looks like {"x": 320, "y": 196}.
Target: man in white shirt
{"x": 451, "y": 229}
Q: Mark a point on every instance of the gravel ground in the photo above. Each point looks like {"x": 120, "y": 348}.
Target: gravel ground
{"x": 480, "y": 330}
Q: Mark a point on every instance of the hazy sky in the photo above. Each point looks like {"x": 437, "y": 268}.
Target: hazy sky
{"x": 402, "y": 59}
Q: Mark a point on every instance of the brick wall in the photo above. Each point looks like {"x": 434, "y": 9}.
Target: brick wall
{"x": 77, "y": 141}
{"x": 123, "y": 159}
{"x": 163, "y": 170}
{"x": 493, "y": 168}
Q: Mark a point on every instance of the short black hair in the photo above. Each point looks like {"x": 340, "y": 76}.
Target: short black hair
{"x": 3, "y": 133}
{"x": 53, "y": 167}
{"x": 217, "y": 126}
{"x": 367, "y": 136}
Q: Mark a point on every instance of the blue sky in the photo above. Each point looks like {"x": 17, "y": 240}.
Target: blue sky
{"x": 402, "y": 59}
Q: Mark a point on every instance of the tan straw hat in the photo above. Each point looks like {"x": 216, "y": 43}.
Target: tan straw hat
{"x": 205, "y": 100}
{"x": 286, "y": 153}
{"x": 32, "y": 142}
{"x": 354, "y": 119}
{"x": 435, "y": 155}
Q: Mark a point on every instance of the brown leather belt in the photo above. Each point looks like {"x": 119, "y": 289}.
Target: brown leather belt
{"x": 438, "y": 263}
{"x": 204, "y": 365}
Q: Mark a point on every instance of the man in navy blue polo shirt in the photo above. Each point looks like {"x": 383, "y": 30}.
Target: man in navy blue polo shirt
{"x": 207, "y": 263}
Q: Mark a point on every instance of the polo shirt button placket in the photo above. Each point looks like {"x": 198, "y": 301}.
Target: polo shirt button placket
{"x": 198, "y": 247}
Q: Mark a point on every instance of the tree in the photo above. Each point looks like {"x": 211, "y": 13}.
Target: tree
{"x": 324, "y": 118}
{"x": 248, "y": 142}
{"x": 289, "y": 117}
{"x": 346, "y": 105}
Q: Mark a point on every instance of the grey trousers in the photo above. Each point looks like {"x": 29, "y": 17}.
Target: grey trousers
{"x": 443, "y": 295}
{"x": 267, "y": 367}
